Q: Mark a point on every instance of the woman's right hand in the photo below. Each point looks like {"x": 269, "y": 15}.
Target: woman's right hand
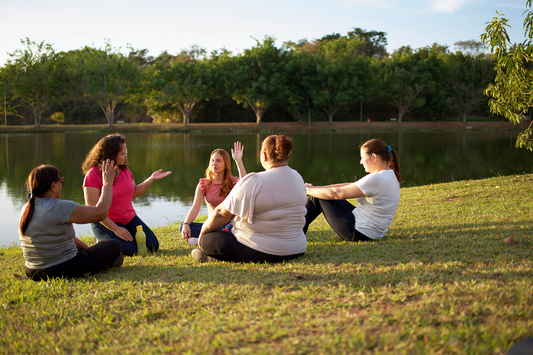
{"x": 123, "y": 233}
{"x": 186, "y": 232}
{"x": 108, "y": 171}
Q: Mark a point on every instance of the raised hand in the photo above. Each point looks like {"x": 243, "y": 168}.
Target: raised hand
{"x": 237, "y": 151}
{"x": 158, "y": 175}
{"x": 108, "y": 171}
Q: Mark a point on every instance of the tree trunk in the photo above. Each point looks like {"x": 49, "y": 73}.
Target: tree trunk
{"x": 37, "y": 119}
{"x": 259, "y": 112}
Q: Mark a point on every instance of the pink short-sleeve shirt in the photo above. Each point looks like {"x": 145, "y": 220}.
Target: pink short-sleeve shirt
{"x": 121, "y": 210}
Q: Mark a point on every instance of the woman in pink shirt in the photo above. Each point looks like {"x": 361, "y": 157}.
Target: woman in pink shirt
{"x": 216, "y": 185}
{"x": 122, "y": 221}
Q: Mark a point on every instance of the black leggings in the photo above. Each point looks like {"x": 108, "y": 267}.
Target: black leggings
{"x": 92, "y": 260}
{"x": 222, "y": 245}
{"x": 338, "y": 214}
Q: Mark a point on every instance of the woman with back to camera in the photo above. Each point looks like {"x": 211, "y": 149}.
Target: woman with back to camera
{"x": 216, "y": 185}
{"x": 47, "y": 237}
{"x": 377, "y": 195}
{"x": 122, "y": 221}
{"x": 267, "y": 210}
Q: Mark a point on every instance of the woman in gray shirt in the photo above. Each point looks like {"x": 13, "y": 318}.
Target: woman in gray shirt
{"x": 47, "y": 236}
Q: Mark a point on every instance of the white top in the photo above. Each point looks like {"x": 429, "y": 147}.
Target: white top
{"x": 269, "y": 209}
{"x": 375, "y": 210}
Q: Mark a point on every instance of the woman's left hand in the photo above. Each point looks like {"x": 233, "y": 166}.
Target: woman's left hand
{"x": 237, "y": 151}
{"x": 158, "y": 175}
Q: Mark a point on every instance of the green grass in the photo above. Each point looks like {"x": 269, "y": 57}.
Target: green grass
{"x": 442, "y": 281}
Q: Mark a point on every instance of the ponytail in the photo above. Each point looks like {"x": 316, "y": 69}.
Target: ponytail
{"x": 385, "y": 152}
{"x": 38, "y": 182}
{"x": 394, "y": 164}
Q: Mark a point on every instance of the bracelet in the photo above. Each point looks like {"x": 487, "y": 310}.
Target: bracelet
{"x": 187, "y": 224}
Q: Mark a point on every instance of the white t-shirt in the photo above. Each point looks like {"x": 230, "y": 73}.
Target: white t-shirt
{"x": 269, "y": 209}
{"x": 375, "y": 211}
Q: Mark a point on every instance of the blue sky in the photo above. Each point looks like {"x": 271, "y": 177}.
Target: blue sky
{"x": 159, "y": 25}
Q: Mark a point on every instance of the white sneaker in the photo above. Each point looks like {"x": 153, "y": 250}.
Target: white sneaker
{"x": 192, "y": 241}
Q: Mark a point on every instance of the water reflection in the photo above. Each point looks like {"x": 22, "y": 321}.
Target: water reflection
{"x": 321, "y": 158}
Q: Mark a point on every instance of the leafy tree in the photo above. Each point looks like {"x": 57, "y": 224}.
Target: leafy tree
{"x": 373, "y": 42}
{"x": 404, "y": 80}
{"x": 466, "y": 77}
{"x": 510, "y": 94}
{"x": 257, "y": 78}
{"x": 471, "y": 47}
{"x": 341, "y": 77}
{"x": 33, "y": 74}
{"x": 182, "y": 84}
{"x": 302, "y": 80}
{"x": 106, "y": 76}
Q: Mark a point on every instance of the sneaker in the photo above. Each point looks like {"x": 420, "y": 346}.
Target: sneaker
{"x": 199, "y": 255}
{"x": 192, "y": 241}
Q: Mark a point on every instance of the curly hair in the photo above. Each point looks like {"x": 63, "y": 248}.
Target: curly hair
{"x": 106, "y": 148}
{"x": 227, "y": 183}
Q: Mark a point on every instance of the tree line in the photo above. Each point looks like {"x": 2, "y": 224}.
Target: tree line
{"x": 336, "y": 77}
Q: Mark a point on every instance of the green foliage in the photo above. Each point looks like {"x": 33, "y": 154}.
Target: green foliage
{"x": 510, "y": 94}
{"x": 404, "y": 80}
{"x": 105, "y": 76}
{"x": 182, "y": 84}
{"x": 256, "y": 79}
{"x": 35, "y": 76}
{"x": 58, "y": 117}
{"x": 466, "y": 77}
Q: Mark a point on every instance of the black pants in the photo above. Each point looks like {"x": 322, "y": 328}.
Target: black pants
{"x": 223, "y": 245}
{"x": 338, "y": 214}
{"x": 92, "y": 260}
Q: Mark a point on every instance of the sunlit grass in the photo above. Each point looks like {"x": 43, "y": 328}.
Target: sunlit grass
{"x": 442, "y": 281}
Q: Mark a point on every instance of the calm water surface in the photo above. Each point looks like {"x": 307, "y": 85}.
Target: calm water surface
{"x": 321, "y": 158}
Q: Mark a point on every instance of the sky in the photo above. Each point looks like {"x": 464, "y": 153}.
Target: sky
{"x": 160, "y": 25}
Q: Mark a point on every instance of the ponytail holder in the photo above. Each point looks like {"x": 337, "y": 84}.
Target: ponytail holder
{"x": 30, "y": 196}
{"x": 389, "y": 149}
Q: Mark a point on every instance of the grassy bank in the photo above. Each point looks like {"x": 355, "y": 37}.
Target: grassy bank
{"x": 270, "y": 127}
{"x": 443, "y": 281}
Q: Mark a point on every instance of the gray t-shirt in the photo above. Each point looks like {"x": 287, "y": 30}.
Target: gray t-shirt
{"x": 49, "y": 238}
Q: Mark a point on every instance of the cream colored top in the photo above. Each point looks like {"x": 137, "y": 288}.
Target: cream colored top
{"x": 269, "y": 209}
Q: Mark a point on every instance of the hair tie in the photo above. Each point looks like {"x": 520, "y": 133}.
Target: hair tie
{"x": 389, "y": 149}
{"x": 30, "y": 196}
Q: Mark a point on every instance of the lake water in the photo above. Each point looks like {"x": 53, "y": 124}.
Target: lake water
{"x": 321, "y": 158}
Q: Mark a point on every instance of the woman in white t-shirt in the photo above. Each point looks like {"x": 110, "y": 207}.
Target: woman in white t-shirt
{"x": 267, "y": 211}
{"x": 377, "y": 195}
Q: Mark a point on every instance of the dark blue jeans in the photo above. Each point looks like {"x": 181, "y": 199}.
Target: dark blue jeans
{"x": 222, "y": 245}
{"x": 128, "y": 248}
{"x": 338, "y": 214}
{"x": 196, "y": 228}
{"x": 92, "y": 260}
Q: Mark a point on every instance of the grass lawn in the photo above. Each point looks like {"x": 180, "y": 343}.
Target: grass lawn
{"x": 442, "y": 281}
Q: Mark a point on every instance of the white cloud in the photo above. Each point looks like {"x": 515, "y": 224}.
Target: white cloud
{"x": 447, "y": 5}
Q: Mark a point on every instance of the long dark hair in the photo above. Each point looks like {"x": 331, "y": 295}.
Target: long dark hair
{"x": 106, "y": 148}
{"x": 38, "y": 182}
{"x": 378, "y": 147}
